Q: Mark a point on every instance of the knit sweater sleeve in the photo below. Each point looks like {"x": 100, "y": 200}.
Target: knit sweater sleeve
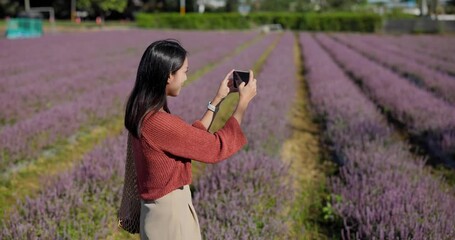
{"x": 198, "y": 124}
{"x": 174, "y": 136}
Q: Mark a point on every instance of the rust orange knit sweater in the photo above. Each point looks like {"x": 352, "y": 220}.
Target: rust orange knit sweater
{"x": 167, "y": 144}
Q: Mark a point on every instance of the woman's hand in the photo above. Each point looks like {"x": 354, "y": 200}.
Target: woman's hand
{"x": 248, "y": 92}
{"x": 225, "y": 86}
{"x": 231, "y": 85}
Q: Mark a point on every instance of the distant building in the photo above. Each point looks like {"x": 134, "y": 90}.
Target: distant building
{"x": 395, "y": 3}
{"x": 411, "y": 7}
{"x": 408, "y": 6}
{"x": 202, "y": 4}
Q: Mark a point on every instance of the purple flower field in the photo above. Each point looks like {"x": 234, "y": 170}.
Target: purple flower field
{"x": 383, "y": 191}
{"x": 376, "y": 97}
{"x": 54, "y": 221}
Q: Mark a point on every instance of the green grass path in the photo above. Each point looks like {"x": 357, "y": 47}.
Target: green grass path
{"x": 308, "y": 167}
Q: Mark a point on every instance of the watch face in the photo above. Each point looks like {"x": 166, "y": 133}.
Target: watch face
{"x": 212, "y": 107}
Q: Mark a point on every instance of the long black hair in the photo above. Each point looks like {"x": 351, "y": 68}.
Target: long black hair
{"x": 160, "y": 59}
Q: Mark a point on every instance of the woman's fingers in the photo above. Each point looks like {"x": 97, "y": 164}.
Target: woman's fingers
{"x": 226, "y": 80}
{"x": 229, "y": 74}
{"x": 231, "y": 86}
{"x": 251, "y": 75}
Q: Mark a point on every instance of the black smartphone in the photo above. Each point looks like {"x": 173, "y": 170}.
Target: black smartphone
{"x": 240, "y": 76}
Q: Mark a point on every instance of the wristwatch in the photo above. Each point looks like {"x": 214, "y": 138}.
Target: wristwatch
{"x": 212, "y": 108}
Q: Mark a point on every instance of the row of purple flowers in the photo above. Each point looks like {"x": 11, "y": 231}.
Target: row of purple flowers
{"x": 382, "y": 190}
{"x": 247, "y": 196}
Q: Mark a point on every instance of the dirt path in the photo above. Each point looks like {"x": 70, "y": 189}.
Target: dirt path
{"x": 302, "y": 150}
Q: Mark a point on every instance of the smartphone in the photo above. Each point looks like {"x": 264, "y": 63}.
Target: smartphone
{"x": 240, "y": 76}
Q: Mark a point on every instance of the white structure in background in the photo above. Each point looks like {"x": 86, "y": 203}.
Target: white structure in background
{"x": 408, "y": 6}
{"x": 411, "y": 7}
{"x": 316, "y": 4}
{"x": 210, "y": 3}
{"x": 244, "y": 8}
{"x": 50, "y": 10}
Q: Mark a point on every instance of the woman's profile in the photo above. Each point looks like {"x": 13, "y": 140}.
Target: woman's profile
{"x": 164, "y": 145}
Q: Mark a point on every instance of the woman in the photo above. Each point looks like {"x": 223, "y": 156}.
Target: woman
{"x": 163, "y": 144}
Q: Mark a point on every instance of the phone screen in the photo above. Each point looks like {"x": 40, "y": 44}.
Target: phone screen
{"x": 240, "y": 76}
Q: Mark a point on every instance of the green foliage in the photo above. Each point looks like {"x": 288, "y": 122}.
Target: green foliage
{"x": 102, "y": 6}
{"x": 302, "y": 5}
{"x": 8, "y": 7}
{"x": 328, "y": 211}
{"x": 357, "y": 22}
{"x": 398, "y": 13}
{"x": 114, "y": 5}
{"x": 193, "y": 21}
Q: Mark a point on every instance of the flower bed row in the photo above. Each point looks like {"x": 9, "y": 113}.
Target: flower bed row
{"x": 248, "y": 196}
{"x": 27, "y": 139}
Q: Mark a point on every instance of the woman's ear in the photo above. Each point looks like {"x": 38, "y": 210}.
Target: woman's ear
{"x": 170, "y": 78}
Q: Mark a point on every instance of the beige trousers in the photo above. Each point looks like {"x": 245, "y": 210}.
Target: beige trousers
{"x": 171, "y": 217}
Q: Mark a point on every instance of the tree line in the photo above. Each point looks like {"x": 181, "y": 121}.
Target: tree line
{"x": 126, "y": 9}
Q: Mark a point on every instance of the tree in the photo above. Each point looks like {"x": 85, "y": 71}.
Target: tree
{"x": 339, "y": 4}
{"x": 62, "y": 8}
{"x": 302, "y": 5}
{"x": 9, "y": 8}
{"x": 101, "y": 7}
{"x": 231, "y": 5}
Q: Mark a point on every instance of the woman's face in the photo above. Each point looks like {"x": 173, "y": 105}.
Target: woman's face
{"x": 176, "y": 80}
